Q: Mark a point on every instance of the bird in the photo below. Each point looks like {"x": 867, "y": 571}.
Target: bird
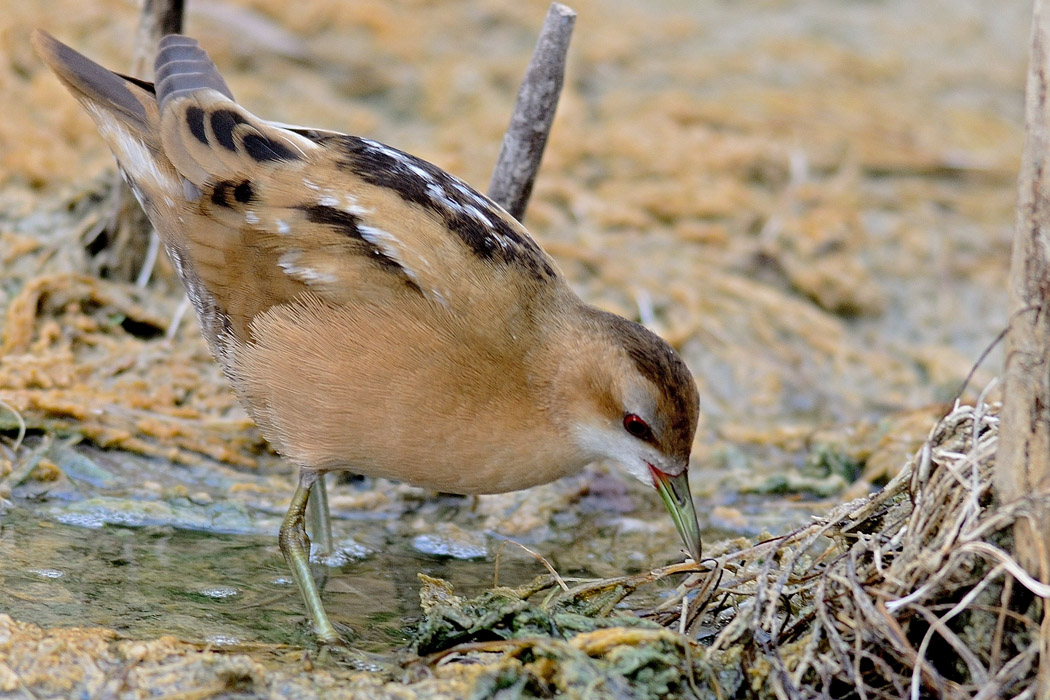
{"x": 376, "y": 314}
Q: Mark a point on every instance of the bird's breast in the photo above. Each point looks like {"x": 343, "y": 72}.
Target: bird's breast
{"x": 404, "y": 394}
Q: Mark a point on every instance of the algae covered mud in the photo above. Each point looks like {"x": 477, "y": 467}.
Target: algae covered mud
{"x": 812, "y": 201}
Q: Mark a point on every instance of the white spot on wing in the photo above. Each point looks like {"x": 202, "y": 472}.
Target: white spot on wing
{"x": 387, "y": 150}
{"x": 352, "y": 207}
{"x": 439, "y": 195}
{"x": 478, "y": 214}
{"x": 450, "y": 193}
{"x": 283, "y": 228}
{"x": 289, "y": 262}
{"x": 420, "y": 172}
{"x": 469, "y": 193}
{"x": 391, "y": 247}
{"x": 289, "y": 259}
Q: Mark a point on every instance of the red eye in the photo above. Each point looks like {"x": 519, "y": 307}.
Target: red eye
{"x": 637, "y": 427}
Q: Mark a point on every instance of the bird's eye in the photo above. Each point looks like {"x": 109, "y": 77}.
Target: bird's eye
{"x": 637, "y": 427}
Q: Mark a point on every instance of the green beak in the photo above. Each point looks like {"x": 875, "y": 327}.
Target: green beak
{"x": 674, "y": 491}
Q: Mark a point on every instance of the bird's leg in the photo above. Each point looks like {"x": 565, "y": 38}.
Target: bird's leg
{"x": 320, "y": 518}
{"x": 295, "y": 546}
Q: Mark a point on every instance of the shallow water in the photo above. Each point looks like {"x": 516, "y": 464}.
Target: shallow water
{"x": 226, "y": 590}
{"x": 148, "y": 548}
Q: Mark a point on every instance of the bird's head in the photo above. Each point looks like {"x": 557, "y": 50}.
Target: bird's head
{"x": 635, "y": 403}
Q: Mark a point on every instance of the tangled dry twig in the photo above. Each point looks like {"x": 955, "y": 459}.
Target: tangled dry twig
{"x": 909, "y": 593}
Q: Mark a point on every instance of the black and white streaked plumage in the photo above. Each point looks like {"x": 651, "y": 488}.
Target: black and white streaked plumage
{"x": 375, "y": 313}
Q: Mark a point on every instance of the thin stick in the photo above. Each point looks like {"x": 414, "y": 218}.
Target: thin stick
{"x": 21, "y": 424}
{"x": 158, "y": 19}
{"x": 539, "y": 557}
{"x": 149, "y": 260}
{"x": 530, "y": 124}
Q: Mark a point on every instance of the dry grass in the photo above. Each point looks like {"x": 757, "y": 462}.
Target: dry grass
{"x": 909, "y": 593}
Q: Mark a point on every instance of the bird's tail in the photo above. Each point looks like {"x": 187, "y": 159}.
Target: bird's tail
{"x": 124, "y": 110}
{"x": 130, "y": 101}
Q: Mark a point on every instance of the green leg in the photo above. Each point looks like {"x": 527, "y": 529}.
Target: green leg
{"x": 295, "y": 546}
{"x": 320, "y": 518}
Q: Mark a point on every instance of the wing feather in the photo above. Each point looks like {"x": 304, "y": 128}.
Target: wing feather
{"x": 257, "y": 213}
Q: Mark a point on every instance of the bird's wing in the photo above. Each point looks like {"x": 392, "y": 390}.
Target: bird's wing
{"x": 254, "y": 213}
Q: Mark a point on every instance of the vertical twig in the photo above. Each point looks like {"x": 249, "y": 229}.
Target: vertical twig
{"x": 158, "y": 19}
{"x": 1023, "y": 459}
{"x": 530, "y": 124}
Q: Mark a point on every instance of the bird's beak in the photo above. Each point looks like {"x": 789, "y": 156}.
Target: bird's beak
{"x": 674, "y": 490}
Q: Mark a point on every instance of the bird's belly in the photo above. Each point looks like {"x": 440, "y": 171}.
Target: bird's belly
{"x": 438, "y": 456}
{"x": 463, "y": 477}
{"x": 456, "y": 451}
{"x": 386, "y": 394}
